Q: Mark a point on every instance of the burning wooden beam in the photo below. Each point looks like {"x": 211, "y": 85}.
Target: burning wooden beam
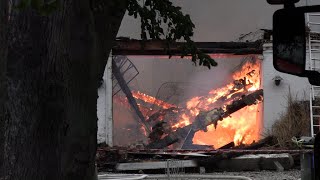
{"x": 207, "y": 118}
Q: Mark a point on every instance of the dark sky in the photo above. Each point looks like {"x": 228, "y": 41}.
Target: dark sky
{"x": 219, "y": 20}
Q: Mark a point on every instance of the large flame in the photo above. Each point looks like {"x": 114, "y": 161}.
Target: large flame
{"x": 241, "y": 128}
{"x": 244, "y": 125}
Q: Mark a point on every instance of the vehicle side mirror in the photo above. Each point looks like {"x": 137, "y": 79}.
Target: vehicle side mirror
{"x": 289, "y": 42}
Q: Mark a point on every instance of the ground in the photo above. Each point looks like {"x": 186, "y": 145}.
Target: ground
{"x": 262, "y": 175}
{"x": 267, "y": 175}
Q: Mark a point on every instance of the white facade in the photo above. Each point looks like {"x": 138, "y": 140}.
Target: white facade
{"x": 104, "y": 107}
{"x": 275, "y": 97}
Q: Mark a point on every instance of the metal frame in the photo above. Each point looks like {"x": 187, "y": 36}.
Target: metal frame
{"x": 313, "y": 66}
{"x": 124, "y": 64}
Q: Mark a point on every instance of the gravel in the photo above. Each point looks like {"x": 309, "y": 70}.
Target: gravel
{"x": 266, "y": 175}
{"x": 256, "y": 175}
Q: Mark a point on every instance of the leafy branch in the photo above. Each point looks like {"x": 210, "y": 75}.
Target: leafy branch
{"x": 161, "y": 19}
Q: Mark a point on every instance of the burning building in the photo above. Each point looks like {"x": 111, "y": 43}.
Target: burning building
{"x": 168, "y": 103}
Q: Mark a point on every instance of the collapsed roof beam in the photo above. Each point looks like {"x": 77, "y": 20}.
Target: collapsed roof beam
{"x": 138, "y": 47}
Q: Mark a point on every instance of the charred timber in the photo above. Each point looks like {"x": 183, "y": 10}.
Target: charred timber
{"x": 138, "y": 47}
{"x": 127, "y": 92}
{"x": 228, "y": 146}
{"x": 207, "y": 118}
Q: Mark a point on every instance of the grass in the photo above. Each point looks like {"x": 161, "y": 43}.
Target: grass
{"x": 294, "y": 122}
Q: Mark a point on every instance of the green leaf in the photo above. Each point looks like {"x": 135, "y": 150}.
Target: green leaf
{"x": 23, "y": 4}
{"x": 213, "y": 62}
{"x": 201, "y": 62}
{"x": 50, "y": 7}
{"x": 179, "y": 27}
{"x": 37, "y": 4}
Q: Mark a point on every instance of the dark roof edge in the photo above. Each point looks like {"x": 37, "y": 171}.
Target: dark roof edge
{"x": 158, "y": 47}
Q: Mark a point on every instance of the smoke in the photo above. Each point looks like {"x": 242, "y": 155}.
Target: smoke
{"x": 213, "y": 78}
{"x": 171, "y": 80}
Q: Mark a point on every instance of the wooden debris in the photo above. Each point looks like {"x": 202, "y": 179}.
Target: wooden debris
{"x": 154, "y": 165}
{"x": 278, "y": 166}
{"x": 261, "y": 143}
{"x": 257, "y": 162}
{"x": 228, "y": 146}
{"x": 205, "y": 119}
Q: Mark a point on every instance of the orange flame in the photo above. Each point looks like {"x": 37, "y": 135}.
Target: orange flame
{"x": 150, "y": 99}
{"x": 241, "y": 128}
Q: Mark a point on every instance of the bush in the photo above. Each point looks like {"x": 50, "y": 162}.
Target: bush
{"x": 294, "y": 122}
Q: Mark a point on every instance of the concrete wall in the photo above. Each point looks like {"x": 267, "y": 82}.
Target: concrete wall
{"x": 275, "y": 97}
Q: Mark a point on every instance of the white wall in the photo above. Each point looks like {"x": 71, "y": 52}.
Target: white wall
{"x": 101, "y": 105}
{"x": 104, "y": 107}
{"x": 275, "y": 97}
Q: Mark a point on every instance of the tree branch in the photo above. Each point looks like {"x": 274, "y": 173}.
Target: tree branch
{"x": 157, "y": 15}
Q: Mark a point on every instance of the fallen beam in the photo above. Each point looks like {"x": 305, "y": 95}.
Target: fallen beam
{"x": 205, "y": 119}
{"x": 126, "y": 90}
{"x": 257, "y": 162}
{"x": 228, "y": 146}
{"x": 154, "y": 165}
{"x": 252, "y": 163}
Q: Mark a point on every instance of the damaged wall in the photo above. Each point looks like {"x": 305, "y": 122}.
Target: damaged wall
{"x": 154, "y": 73}
{"x": 274, "y": 96}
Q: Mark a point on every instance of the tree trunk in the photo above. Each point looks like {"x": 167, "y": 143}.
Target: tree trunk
{"x": 3, "y": 60}
{"x": 54, "y": 64}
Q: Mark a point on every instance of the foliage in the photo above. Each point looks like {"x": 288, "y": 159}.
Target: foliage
{"x": 155, "y": 15}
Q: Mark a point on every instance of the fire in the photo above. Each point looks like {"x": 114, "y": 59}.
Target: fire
{"x": 185, "y": 121}
{"x": 150, "y": 99}
{"x": 123, "y": 102}
{"x": 241, "y": 128}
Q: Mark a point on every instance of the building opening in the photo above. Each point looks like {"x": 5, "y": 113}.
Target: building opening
{"x": 177, "y": 105}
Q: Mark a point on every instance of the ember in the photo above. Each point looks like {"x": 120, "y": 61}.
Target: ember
{"x": 150, "y": 99}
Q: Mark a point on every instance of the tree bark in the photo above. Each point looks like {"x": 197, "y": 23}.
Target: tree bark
{"x": 54, "y": 66}
{"x": 3, "y": 60}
